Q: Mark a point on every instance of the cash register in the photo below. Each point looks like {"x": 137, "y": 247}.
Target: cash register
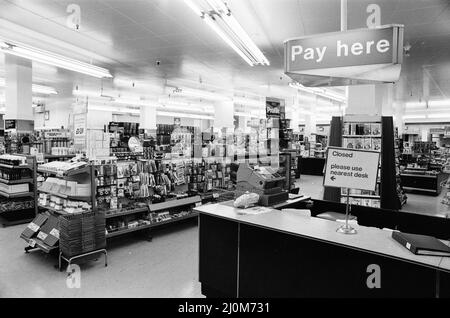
{"x": 264, "y": 181}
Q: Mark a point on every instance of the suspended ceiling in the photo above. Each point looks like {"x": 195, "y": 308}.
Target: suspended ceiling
{"x": 130, "y": 36}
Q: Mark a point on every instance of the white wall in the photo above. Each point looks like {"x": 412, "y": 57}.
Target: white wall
{"x": 59, "y": 114}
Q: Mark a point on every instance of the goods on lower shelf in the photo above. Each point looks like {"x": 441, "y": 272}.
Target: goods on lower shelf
{"x": 370, "y": 133}
{"x": 362, "y": 136}
{"x": 13, "y": 160}
{"x": 400, "y": 191}
{"x": 56, "y": 203}
{"x": 18, "y": 204}
{"x": 361, "y": 197}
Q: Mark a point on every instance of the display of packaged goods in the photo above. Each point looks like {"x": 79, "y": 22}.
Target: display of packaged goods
{"x": 33, "y": 227}
{"x": 14, "y": 174}
{"x": 13, "y": 160}
{"x": 62, "y": 166}
{"x": 16, "y": 204}
{"x": 14, "y": 188}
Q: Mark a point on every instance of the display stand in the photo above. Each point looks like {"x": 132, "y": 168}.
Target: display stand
{"x": 20, "y": 216}
{"x": 346, "y": 228}
{"x": 386, "y": 195}
{"x": 70, "y": 259}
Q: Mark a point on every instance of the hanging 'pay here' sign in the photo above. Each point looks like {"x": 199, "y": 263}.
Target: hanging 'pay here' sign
{"x": 353, "y": 169}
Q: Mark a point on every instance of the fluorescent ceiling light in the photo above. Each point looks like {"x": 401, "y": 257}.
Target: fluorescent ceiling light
{"x": 38, "y": 89}
{"x": 133, "y": 102}
{"x": 218, "y": 16}
{"x": 122, "y": 110}
{"x": 183, "y": 115}
{"x": 189, "y": 108}
{"x": 414, "y": 116}
{"x": 320, "y": 92}
{"x": 415, "y": 104}
{"x": 248, "y": 102}
{"x": 444, "y": 102}
{"x": 49, "y": 58}
{"x": 190, "y": 92}
{"x": 440, "y": 115}
{"x": 45, "y": 90}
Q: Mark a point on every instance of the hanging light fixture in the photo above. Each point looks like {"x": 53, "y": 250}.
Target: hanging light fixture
{"x": 217, "y": 15}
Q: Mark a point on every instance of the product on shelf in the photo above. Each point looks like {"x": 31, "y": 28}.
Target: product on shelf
{"x": 57, "y": 203}
{"x": 65, "y": 188}
{"x": 13, "y": 160}
{"x": 61, "y": 167}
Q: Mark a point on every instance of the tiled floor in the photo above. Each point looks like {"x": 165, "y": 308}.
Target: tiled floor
{"x": 165, "y": 267}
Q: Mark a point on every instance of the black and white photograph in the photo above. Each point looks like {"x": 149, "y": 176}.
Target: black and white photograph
{"x": 225, "y": 155}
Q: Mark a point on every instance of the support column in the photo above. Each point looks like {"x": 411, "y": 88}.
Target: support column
{"x": 311, "y": 118}
{"x": 224, "y": 114}
{"x": 18, "y": 90}
{"x": 147, "y": 118}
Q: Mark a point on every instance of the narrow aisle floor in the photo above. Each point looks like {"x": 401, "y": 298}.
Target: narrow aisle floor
{"x": 164, "y": 267}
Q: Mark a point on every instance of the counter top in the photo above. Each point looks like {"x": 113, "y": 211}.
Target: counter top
{"x": 369, "y": 239}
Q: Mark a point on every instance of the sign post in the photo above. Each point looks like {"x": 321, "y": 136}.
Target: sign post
{"x": 351, "y": 169}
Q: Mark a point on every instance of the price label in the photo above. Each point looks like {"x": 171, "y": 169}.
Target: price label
{"x": 34, "y": 227}
{"x": 42, "y": 236}
{"x": 55, "y": 233}
{"x": 32, "y": 243}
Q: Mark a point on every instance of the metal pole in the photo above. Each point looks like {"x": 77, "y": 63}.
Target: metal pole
{"x": 347, "y": 208}
{"x": 343, "y": 15}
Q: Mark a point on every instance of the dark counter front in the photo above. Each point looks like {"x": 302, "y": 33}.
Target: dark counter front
{"x": 430, "y": 184}
{"x": 311, "y": 166}
{"x": 265, "y": 256}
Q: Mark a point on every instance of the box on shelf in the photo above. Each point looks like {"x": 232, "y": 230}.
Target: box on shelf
{"x": 14, "y": 188}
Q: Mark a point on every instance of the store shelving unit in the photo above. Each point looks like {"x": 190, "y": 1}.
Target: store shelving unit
{"x": 363, "y": 132}
{"x": 84, "y": 174}
{"x": 20, "y": 216}
{"x": 400, "y": 190}
{"x": 287, "y": 169}
{"x": 169, "y": 206}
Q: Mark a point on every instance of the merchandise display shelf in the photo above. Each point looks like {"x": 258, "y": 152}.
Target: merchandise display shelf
{"x": 27, "y": 166}
{"x": 175, "y": 219}
{"x": 127, "y": 230}
{"x": 69, "y": 173}
{"x": 16, "y": 195}
{"x": 361, "y": 136}
{"x": 118, "y": 213}
{"x": 39, "y": 244}
{"x": 66, "y": 196}
{"x": 60, "y": 212}
{"x": 20, "y": 181}
{"x": 174, "y": 203}
{"x": 361, "y": 196}
{"x": 59, "y": 156}
{"x": 6, "y": 222}
{"x": 152, "y": 225}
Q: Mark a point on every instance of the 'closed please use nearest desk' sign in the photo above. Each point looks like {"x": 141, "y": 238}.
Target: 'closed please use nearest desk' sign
{"x": 353, "y": 169}
{"x": 362, "y": 54}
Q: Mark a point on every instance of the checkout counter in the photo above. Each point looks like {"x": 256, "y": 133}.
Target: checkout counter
{"x": 290, "y": 254}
